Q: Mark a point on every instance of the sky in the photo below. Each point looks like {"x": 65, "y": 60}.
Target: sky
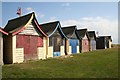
{"x": 101, "y": 17}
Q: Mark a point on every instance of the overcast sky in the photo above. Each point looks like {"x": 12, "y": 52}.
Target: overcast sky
{"x": 97, "y": 16}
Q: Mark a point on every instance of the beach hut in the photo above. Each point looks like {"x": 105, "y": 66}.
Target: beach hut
{"x": 92, "y": 36}
{"x": 26, "y": 41}
{"x": 56, "y": 38}
{"x": 103, "y": 42}
{"x": 84, "y": 40}
{"x": 1, "y": 44}
{"x": 72, "y": 41}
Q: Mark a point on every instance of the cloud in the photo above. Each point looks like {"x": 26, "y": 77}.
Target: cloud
{"x": 41, "y": 15}
{"x": 101, "y": 24}
{"x": 53, "y": 18}
{"x": 29, "y": 9}
{"x": 66, "y": 4}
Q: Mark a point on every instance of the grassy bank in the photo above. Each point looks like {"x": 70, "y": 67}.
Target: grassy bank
{"x": 95, "y": 64}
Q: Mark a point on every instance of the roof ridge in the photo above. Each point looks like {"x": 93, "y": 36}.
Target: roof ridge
{"x": 82, "y": 29}
{"x": 49, "y": 22}
{"x": 21, "y": 16}
{"x": 69, "y": 26}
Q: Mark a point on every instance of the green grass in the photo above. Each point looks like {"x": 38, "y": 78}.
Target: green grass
{"x": 95, "y": 64}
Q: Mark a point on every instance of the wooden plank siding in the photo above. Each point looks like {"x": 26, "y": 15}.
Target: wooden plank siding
{"x": 30, "y": 45}
{"x": 1, "y": 49}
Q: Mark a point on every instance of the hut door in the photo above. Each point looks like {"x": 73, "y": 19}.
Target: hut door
{"x": 33, "y": 47}
{"x": 29, "y": 43}
{"x": 56, "y": 46}
{"x": 93, "y": 45}
{"x": 73, "y": 44}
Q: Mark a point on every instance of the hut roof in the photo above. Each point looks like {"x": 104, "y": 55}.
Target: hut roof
{"x": 16, "y": 25}
{"x": 51, "y": 27}
{"x": 107, "y": 37}
{"x": 1, "y": 30}
{"x": 82, "y": 32}
{"x": 92, "y": 34}
{"x": 70, "y": 31}
{"x": 48, "y": 28}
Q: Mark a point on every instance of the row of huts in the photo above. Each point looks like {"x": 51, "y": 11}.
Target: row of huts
{"x": 23, "y": 39}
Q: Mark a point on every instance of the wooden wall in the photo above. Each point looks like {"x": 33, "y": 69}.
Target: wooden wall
{"x": 1, "y": 49}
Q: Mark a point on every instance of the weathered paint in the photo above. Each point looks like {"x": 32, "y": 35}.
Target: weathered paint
{"x": 30, "y": 44}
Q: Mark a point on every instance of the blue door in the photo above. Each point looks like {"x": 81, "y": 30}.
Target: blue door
{"x": 73, "y": 44}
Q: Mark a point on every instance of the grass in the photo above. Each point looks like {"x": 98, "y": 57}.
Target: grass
{"x": 95, "y": 64}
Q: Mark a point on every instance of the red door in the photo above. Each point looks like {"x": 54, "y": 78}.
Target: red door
{"x": 30, "y": 44}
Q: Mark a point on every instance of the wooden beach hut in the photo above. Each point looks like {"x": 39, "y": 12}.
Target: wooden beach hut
{"x": 72, "y": 41}
{"x": 103, "y": 42}
{"x": 26, "y": 41}
{"x": 1, "y": 44}
{"x": 84, "y": 40}
{"x": 56, "y": 38}
{"x": 92, "y": 36}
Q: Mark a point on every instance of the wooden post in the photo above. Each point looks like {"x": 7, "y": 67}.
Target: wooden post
{"x": 46, "y": 46}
